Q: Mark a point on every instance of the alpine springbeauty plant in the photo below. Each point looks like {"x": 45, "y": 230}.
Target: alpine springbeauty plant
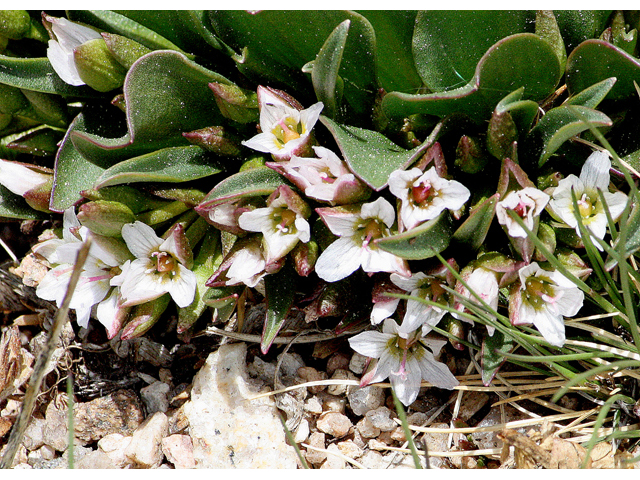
{"x": 355, "y": 166}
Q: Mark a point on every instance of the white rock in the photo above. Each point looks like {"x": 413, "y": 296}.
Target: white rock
{"x": 302, "y": 432}
{"x": 114, "y": 445}
{"x": 229, "y": 430}
{"x": 179, "y": 450}
{"x": 144, "y": 449}
{"x": 334, "y": 461}
{"x": 357, "y": 363}
{"x": 381, "y": 418}
{"x": 34, "y": 434}
{"x": 361, "y": 400}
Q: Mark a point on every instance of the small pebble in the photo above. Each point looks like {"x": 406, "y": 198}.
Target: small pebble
{"x": 310, "y": 374}
{"x": 337, "y": 361}
{"x": 367, "y": 429}
{"x": 313, "y": 456}
{"x": 334, "y": 461}
{"x": 357, "y": 363}
{"x": 156, "y": 397}
{"x": 313, "y": 405}
{"x": 333, "y": 423}
{"x": 179, "y": 451}
{"x": 340, "y": 389}
{"x": 350, "y": 449}
{"x": 145, "y": 450}
{"x": 361, "y": 400}
{"x": 115, "y": 445}
{"x": 372, "y": 460}
{"x": 381, "y": 418}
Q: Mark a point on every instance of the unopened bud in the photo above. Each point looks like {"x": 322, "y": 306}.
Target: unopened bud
{"x": 97, "y": 67}
{"x": 14, "y": 24}
{"x": 105, "y": 217}
{"x": 236, "y": 103}
{"x": 123, "y": 49}
{"x": 304, "y": 257}
{"x": 470, "y": 156}
{"x": 145, "y": 316}
{"x": 215, "y": 139}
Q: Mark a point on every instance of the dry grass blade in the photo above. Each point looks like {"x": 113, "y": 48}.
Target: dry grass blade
{"x": 38, "y": 371}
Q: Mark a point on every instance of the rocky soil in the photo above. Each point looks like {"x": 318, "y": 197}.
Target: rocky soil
{"x": 169, "y": 401}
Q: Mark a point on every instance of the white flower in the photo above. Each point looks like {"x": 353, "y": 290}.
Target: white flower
{"x": 527, "y": 203}
{"x": 403, "y": 357}
{"x": 159, "y": 267}
{"x": 426, "y": 287}
{"x": 103, "y": 263}
{"x": 485, "y": 284}
{"x": 21, "y": 178}
{"x": 283, "y": 223}
{"x": 69, "y": 36}
{"x": 325, "y": 178}
{"x": 594, "y": 176}
{"x": 285, "y": 130}
{"x": 358, "y": 228}
{"x": 425, "y": 195}
{"x": 248, "y": 266}
{"x": 543, "y": 298}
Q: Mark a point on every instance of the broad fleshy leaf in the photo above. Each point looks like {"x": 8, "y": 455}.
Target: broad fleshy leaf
{"x": 423, "y": 241}
{"x": 492, "y": 358}
{"x": 560, "y": 124}
{"x": 370, "y": 155}
{"x": 175, "y": 164}
{"x": 596, "y": 60}
{"x": 521, "y": 60}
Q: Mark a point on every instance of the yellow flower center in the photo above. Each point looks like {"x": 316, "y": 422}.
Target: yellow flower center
{"x": 286, "y": 130}
{"x": 585, "y": 206}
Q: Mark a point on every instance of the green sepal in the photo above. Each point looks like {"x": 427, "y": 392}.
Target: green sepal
{"x": 492, "y": 359}
{"x": 123, "y": 49}
{"x": 145, "y": 316}
{"x": 97, "y": 67}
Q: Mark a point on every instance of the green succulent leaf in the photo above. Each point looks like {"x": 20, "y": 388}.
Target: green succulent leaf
{"x": 259, "y": 181}
{"x": 166, "y": 94}
{"x": 394, "y": 60}
{"x": 547, "y": 28}
{"x": 73, "y": 172}
{"x": 38, "y": 75}
{"x": 370, "y": 155}
{"x": 326, "y": 81}
{"x": 173, "y": 164}
{"x": 475, "y": 228}
{"x": 593, "y": 95}
{"x": 206, "y": 263}
{"x": 511, "y": 118}
{"x": 576, "y": 26}
{"x": 113, "y": 22}
{"x": 521, "y": 60}
{"x": 562, "y": 123}
{"x": 279, "y": 291}
{"x": 596, "y": 60}
{"x": 423, "y": 241}
{"x": 448, "y": 44}
{"x": 271, "y": 47}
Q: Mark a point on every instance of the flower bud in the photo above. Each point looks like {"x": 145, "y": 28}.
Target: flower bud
{"x": 79, "y": 55}
{"x": 144, "y": 316}
{"x": 105, "y": 217}
{"x": 14, "y": 24}
{"x": 236, "y": 103}
{"x": 123, "y": 49}
{"x": 97, "y": 67}
{"x": 304, "y": 257}
{"x": 32, "y": 183}
{"x": 215, "y": 139}
{"x": 470, "y": 156}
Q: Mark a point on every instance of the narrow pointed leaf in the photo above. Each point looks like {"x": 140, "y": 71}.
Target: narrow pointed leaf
{"x": 325, "y": 69}
{"x": 475, "y": 228}
{"x": 176, "y": 164}
{"x": 279, "y": 290}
